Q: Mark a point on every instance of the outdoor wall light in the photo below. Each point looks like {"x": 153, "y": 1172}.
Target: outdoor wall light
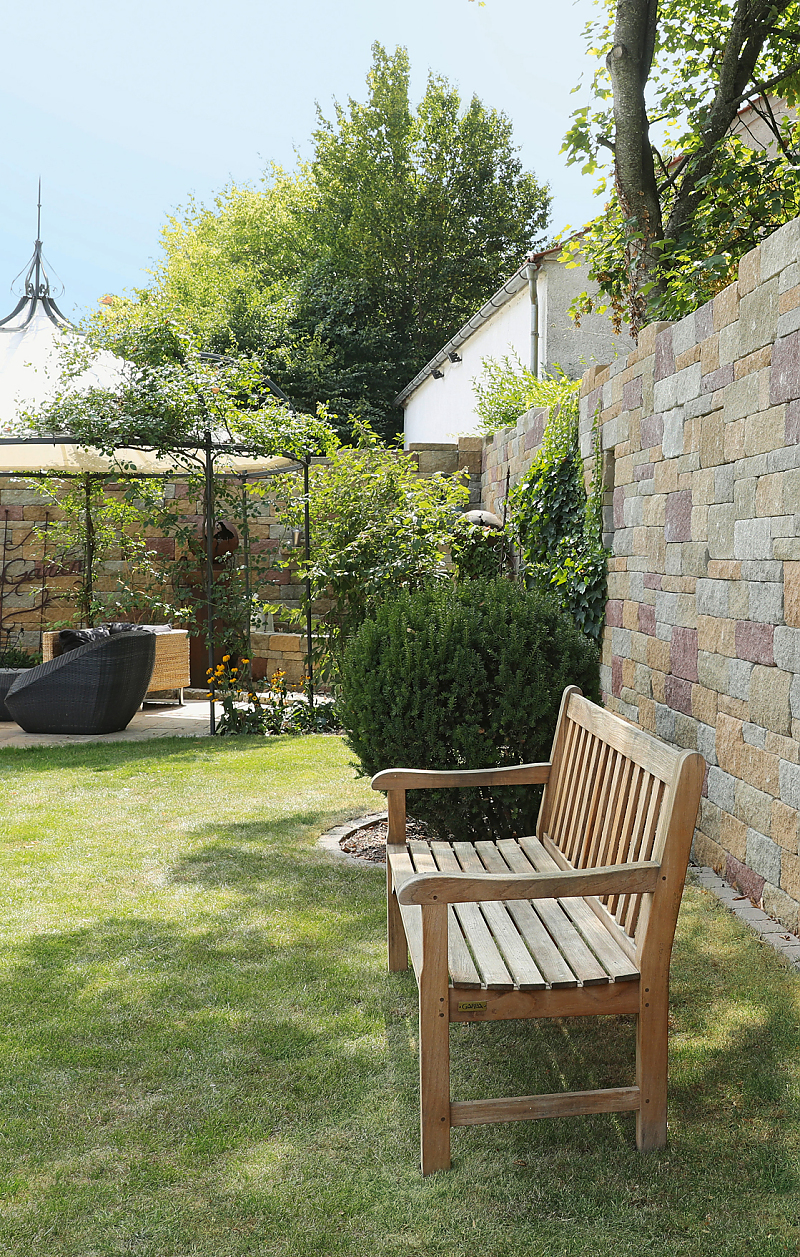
{"x": 453, "y": 356}
{"x": 437, "y": 374}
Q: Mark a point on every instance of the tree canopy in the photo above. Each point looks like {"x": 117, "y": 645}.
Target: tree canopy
{"x": 344, "y": 277}
{"x": 689, "y": 197}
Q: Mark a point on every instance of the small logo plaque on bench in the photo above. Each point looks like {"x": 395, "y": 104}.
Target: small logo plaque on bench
{"x": 472, "y": 1006}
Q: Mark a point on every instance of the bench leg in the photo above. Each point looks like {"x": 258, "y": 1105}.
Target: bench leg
{"x": 651, "y": 1068}
{"x": 398, "y": 944}
{"x": 434, "y": 1042}
{"x": 396, "y": 934}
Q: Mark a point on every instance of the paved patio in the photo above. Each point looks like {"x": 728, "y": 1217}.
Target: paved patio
{"x": 190, "y": 721}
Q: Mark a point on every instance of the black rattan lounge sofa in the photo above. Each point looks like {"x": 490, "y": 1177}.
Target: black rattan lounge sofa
{"x": 94, "y": 689}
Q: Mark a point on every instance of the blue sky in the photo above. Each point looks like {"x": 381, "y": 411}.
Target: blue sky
{"x": 128, "y": 107}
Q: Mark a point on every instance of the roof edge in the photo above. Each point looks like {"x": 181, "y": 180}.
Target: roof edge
{"x": 509, "y": 289}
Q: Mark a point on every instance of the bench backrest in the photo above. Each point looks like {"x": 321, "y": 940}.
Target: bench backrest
{"x": 614, "y": 796}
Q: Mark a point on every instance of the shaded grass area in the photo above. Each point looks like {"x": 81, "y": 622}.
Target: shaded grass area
{"x": 202, "y": 1054}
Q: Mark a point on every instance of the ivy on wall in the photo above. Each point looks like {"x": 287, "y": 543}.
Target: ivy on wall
{"x": 558, "y": 526}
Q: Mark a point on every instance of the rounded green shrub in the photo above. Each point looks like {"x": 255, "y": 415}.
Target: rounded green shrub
{"x": 464, "y": 676}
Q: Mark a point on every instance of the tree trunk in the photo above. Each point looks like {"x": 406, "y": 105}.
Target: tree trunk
{"x": 629, "y": 63}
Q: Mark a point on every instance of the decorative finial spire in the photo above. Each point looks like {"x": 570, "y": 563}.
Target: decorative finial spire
{"x": 36, "y": 289}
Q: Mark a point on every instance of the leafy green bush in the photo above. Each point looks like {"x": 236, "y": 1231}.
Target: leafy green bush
{"x": 478, "y": 552}
{"x": 507, "y": 389}
{"x": 464, "y": 676}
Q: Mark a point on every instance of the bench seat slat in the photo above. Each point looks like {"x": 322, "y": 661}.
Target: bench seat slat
{"x": 581, "y": 960}
{"x": 554, "y": 967}
{"x": 516, "y": 955}
{"x": 599, "y": 939}
{"x": 485, "y": 953}
{"x": 462, "y": 968}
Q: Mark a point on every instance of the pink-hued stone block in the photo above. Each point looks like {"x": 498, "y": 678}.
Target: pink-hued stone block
{"x": 614, "y": 613}
{"x": 652, "y": 580}
{"x": 652, "y": 431}
{"x": 743, "y": 878}
{"x": 684, "y": 653}
{"x": 632, "y": 394}
{"x": 619, "y": 508}
{"x": 643, "y": 472}
{"x": 678, "y": 694}
{"x": 754, "y": 642}
{"x": 647, "y": 619}
{"x": 665, "y": 358}
{"x": 616, "y": 675}
{"x": 678, "y": 526}
{"x": 785, "y": 371}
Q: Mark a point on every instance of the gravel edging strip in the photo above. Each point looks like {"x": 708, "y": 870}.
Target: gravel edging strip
{"x": 770, "y": 930}
{"x": 330, "y": 841}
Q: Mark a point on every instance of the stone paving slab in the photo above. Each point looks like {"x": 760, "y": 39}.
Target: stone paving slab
{"x": 771, "y": 931}
{"x": 189, "y": 721}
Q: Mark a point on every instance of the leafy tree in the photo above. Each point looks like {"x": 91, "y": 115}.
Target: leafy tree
{"x": 376, "y": 527}
{"x": 346, "y": 276}
{"x": 691, "y": 198}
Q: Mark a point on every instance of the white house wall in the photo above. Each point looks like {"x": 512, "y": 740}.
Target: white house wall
{"x": 440, "y": 411}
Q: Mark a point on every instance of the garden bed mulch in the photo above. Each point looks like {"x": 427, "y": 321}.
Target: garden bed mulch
{"x": 369, "y": 843}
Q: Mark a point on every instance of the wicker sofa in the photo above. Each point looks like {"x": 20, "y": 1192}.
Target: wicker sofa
{"x": 95, "y": 689}
{"x": 171, "y": 667}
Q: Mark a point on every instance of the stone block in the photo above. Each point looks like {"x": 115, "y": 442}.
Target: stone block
{"x": 758, "y": 317}
{"x": 673, "y": 439}
{"x": 785, "y": 370}
{"x": 789, "y": 322}
{"x": 765, "y": 601}
{"x": 712, "y": 597}
{"x": 778, "y": 904}
{"x": 781, "y": 249}
{"x": 787, "y": 648}
{"x": 651, "y": 431}
{"x": 717, "y": 636}
{"x": 784, "y": 825}
{"x": 755, "y": 642}
{"x": 749, "y": 272}
{"x": 733, "y": 837}
{"x": 707, "y": 852}
{"x": 742, "y": 877}
{"x": 722, "y": 789}
{"x": 726, "y": 306}
{"x": 789, "y": 779}
{"x": 712, "y": 671}
{"x": 684, "y": 653}
{"x": 721, "y": 526}
{"x": 704, "y": 704}
{"x": 764, "y": 856}
{"x": 752, "y": 806}
{"x": 706, "y": 742}
{"x": 790, "y": 874}
{"x": 658, "y": 655}
{"x": 791, "y": 593}
{"x": 740, "y": 672}
{"x": 764, "y": 431}
{"x": 665, "y": 722}
{"x": 678, "y": 516}
{"x": 678, "y": 694}
{"x": 752, "y": 538}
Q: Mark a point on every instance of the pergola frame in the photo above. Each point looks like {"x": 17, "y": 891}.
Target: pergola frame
{"x": 203, "y": 454}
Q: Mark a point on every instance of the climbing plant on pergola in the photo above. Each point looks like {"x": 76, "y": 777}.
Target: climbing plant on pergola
{"x": 197, "y": 415}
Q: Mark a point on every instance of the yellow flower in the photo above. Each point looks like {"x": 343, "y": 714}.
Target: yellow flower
{"x": 245, "y": 661}
{"x": 225, "y": 658}
{"x": 234, "y": 669}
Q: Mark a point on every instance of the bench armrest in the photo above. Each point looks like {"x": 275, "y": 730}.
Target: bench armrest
{"x": 618, "y": 879}
{"x": 428, "y": 779}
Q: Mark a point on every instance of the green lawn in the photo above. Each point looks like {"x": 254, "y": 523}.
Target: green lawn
{"x": 202, "y": 1054}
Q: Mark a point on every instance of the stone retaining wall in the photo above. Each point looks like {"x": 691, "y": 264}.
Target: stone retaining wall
{"x": 702, "y": 639}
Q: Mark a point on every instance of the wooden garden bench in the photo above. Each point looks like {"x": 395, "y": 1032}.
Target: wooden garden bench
{"x": 575, "y": 922}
